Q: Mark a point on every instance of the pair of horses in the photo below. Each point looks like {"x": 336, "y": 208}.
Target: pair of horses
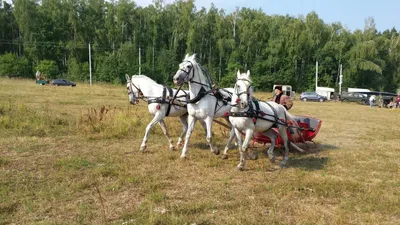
{"x": 204, "y": 102}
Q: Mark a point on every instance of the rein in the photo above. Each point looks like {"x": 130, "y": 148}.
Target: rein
{"x": 169, "y": 99}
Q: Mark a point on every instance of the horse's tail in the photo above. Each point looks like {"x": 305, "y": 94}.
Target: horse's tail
{"x": 292, "y": 126}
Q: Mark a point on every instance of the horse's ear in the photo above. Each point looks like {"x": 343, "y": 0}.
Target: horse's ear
{"x": 127, "y": 77}
{"x": 193, "y": 57}
{"x": 238, "y": 73}
{"x": 186, "y": 56}
{"x": 248, "y": 72}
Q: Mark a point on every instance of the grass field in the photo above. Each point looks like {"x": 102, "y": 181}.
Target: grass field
{"x": 70, "y": 156}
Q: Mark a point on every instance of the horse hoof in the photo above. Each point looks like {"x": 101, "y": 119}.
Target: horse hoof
{"x": 216, "y": 151}
{"x": 283, "y": 165}
{"x": 240, "y": 168}
{"x": 171, "y": 148}
{"x": 272, "y": 159}
{"x": 225, "y": 156}
{"x": 142, "y": 148}
{"x": 183, "y": 156}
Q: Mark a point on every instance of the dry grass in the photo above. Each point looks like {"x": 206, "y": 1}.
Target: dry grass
{"x": 70, "y": 156}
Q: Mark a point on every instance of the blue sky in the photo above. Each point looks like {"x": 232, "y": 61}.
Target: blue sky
{"x": 351, "y": 13}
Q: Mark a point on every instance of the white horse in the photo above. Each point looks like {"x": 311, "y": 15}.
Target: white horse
{"x": 159, "y": 105}
{"x": 206, "y": 102}
{"x": 248, "y": 115}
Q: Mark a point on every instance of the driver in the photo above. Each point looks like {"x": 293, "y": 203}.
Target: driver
{"x": 282, "y": 99}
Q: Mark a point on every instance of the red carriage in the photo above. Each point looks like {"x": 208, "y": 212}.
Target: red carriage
{"x": 309, "y": 129}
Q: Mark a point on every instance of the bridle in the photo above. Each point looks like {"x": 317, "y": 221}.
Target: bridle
{"x": 131, "y": 92}
{"x": 190, "y": 79}
{"x": 247, "y": 91}
{"x": 188, "y": 72}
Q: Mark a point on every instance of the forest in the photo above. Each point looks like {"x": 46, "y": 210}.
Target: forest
{"x": 53, "y": 36}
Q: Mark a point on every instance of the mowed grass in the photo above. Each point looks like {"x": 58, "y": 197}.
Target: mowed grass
{"x": 70, "y": 156}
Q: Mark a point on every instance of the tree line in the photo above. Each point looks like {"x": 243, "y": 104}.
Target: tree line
{"x": 53, "y": 36}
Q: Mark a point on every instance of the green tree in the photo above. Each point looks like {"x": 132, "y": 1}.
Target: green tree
{"x": 13, "y": 66}
{"x": 49, "y": 68}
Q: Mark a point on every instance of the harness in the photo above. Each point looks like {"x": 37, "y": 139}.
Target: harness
{"x": 214, "y": 91}
{"x": 251, "y": 113}
{"x": 164, "y": 99}
{"x": 256, "y": 114}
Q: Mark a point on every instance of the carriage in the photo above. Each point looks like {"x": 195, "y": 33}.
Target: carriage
{"x": 310, "y": 128}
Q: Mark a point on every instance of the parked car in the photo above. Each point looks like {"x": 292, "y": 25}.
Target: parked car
{"x": 312, "y": 96}
{"x": 353, "y": 97}
{"x": 62, "y": 82}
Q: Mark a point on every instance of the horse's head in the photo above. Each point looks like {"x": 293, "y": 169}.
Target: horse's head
{"x": 185, "y": 71}
{"x": 242, "y": 91}
{"x": 133, "y": 91}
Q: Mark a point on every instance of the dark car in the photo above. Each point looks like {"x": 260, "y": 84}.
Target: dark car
{"x": 353, "y": 97}
{"x": 62, "y": 82}
{"x": 312, "y": 96}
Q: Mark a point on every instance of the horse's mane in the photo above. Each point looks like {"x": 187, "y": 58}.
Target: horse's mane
{"x": 145, "y": 77}
{"x": 201, "y": 70}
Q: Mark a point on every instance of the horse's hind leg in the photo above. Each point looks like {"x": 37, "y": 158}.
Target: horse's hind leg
{"x": 272, "y": 136}
{"x": 242, "y": 161}
{"x": 209, "y": 121}
{"x": 191, "y": 123}
{"x": 228, "y": 144}
{"x": 231, "y": 137}
{"x": 184, "y": 122}
{"x": 284, "y": 136}
{"x": 164, "y": 129}
{"x": 204, "y": 125}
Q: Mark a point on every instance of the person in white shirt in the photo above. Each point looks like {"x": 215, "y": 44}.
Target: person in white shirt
{"x": 372, "y": 100}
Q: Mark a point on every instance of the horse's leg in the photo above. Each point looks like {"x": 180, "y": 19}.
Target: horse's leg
{"x": 209, "y": 121}
{"x": 242, "y": 161}
{"x": 191, "y": 123}
{"x": 231, "y": 137}
{"x": 246, "y": 142}
{"x": 272, "y": 136}
{"x": 284, "y": 136}
{"x": 153, "y": 122}
{"x": 184, "y": 122}
{"x": 204, "y": 125}
{"x": 228, "y": 144}
{"x": 164, "y": 129}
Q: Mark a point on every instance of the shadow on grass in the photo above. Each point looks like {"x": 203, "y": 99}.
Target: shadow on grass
{"x": 201, "y": 146}
{"x": 305, "y": 161}
{"x": 309, "y": 164}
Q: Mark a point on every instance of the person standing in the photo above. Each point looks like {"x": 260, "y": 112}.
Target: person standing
{"x": 372, "y": 100}
{"x": 282, "y": 99}
{"x": 398, "y": 101}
